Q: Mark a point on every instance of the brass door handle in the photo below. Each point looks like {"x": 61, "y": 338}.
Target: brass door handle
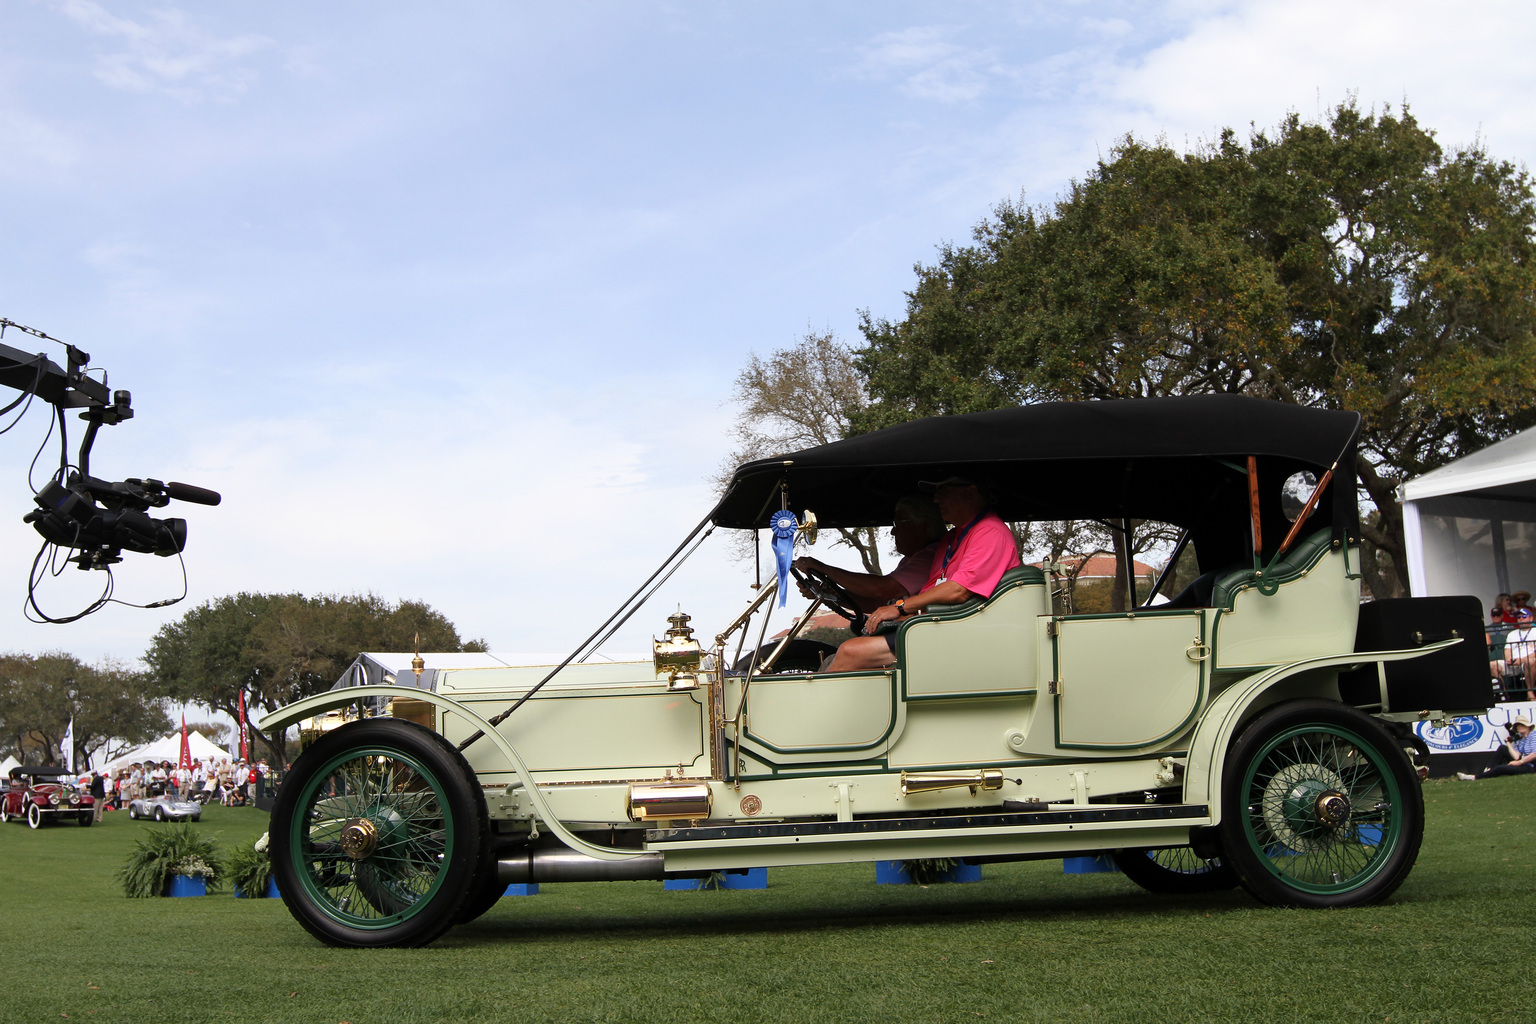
{"x": 1197, "y": 651}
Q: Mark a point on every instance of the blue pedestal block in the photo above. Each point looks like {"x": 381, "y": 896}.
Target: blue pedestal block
{"x": 894, "y": 872}
{"x": 744, "y": 878}
{"x": 272, "y": 893}
{"x": 187, "y": 885}
{"x": 1088, "y": 865}
{"x": 522, "y": 889}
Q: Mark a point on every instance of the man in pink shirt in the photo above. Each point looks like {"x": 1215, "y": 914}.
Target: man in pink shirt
{"x": 918, "y": 532}
{"x": 968, "y": 563}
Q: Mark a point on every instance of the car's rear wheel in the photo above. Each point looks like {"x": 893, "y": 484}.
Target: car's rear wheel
{"x": 377, "y": 834}
{"x": 34, "y": 816}
{"x": 1175, "y": 870}
{"x": 1320, "y": 807}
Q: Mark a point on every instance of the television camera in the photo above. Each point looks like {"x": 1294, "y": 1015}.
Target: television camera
{"x": 94, "y": 518}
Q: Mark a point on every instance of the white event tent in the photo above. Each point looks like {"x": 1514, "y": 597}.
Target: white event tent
{"x": 1470, "y": 526}
{"x": 168, "y": 748}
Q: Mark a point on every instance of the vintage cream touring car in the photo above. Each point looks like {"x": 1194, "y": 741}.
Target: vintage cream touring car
{"x": 1251, "y": 729}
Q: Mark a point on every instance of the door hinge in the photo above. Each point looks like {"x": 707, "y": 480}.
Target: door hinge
{"x": 1050, "y": 629}
{"x": 1053, "y": 687}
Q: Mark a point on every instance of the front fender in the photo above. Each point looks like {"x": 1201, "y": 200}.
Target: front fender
{"x": 331, "y": 699}
{"x": 1218, "y": 727}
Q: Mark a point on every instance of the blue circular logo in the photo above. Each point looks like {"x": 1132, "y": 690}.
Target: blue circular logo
{"x": 1462, "y": 732}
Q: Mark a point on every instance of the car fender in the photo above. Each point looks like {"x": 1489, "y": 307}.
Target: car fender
{"x": 332, "y": 699}
{"x": 1234, "y": 706}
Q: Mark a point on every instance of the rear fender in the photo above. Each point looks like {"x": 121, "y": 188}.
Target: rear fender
{"x": 332, "y": 699}
{"x": 1234, "y": 706}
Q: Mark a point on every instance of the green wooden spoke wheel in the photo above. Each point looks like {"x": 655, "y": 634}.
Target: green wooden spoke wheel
{"x": 1320, "y": 808}
{"x": 1175, "y": 870}
{"x": 377, "y": 835}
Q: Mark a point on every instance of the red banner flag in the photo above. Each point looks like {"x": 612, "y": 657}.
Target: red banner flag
{"x": 245, "y": 754}
{"x": 186, "y": 751}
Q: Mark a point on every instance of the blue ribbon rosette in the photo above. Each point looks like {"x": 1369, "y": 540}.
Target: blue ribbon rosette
{"x": 784, "y": 526}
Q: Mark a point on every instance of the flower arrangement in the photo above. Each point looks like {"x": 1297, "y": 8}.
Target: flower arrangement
{"x": 166, "y": 851}
{"x": 250, "y": 867}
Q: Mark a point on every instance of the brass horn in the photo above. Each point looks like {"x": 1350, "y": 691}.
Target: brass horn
{"x": 808, "y": 528}
{"x": 927, "y": 782}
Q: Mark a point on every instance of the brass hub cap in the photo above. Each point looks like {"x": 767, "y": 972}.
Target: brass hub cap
{"x": 1332, "y": 808}
{"x": 359, "y": 838}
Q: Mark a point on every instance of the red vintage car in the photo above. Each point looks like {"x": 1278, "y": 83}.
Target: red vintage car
{"x": 40, "y": 795}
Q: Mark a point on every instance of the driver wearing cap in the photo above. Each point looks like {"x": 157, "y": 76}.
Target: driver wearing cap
{"x": 917, "y": 531}
{"x": 969, "y": 562}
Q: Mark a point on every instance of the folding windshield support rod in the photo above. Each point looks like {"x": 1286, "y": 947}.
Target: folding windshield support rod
{"x": 599, "y": 631}
{"x": 1130, "y": 564}
{"x": 1173, "y": 560}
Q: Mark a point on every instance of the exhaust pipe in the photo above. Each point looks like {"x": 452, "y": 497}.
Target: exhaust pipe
{"x": 548, "y": 864}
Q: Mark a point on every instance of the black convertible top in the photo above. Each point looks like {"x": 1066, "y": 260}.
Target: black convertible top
{"x": 38, "y": 771}
{"x": 1178, "y": 460}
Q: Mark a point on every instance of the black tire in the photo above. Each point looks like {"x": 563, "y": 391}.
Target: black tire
{"x": 159, "y": 813}
{"x": 1175, "y": 871}
{"x": 87, "y": 819}
{"x": 484, "y": 893}
{"x": 133, "y": 813}
{"x": 407, "y": 805}
{"x": 1320, "y": 807}
{"x": 34, "y": 816}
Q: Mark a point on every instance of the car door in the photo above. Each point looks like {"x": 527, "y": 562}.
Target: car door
{"x": 1125, "y": 681}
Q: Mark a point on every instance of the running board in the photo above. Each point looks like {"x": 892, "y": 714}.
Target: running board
{"x": 945, "y": 826}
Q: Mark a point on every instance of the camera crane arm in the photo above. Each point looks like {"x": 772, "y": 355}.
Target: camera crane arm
{"x": 98, "y": 518}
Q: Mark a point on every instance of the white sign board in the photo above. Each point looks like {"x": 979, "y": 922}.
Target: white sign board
{"x": 1475, "y": 735}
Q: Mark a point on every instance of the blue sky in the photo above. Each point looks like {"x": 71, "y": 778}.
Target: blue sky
{"x": 448, "y": 299}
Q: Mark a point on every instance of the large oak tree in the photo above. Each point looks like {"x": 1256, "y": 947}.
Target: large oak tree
{"x": 277, "y": 648}
{"x": 1348, "y": 264}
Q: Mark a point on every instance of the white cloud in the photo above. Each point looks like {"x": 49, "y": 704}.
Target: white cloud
{"x": 1464, "y": 69}
{"x": 929, "y": 65}
{"x": 168, "y": 53}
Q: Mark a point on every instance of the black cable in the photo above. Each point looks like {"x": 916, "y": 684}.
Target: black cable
{"x": 167, "y": 602}
{"x": 39, "y": 454}
{"x": 31, "y": 604}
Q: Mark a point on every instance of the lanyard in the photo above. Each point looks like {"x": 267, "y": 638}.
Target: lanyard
{"x": 955, "y": 541}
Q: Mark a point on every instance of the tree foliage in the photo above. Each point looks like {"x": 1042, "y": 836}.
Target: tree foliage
{"x": 277, "y": 648}
{"x": 1349, "y": 264}
{"x": 112, "y": 708}
{"x": 800, "y": 397}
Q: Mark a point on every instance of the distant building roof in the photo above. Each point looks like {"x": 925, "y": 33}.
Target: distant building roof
{"x": 1102, "y": 567}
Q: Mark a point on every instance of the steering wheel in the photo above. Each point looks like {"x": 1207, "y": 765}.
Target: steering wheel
{"x": 832, "y": 594}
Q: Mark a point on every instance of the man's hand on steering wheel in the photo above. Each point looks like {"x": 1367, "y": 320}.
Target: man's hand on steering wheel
{"x": 831, "y": 593}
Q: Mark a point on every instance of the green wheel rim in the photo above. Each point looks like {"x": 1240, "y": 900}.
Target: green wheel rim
{"x": 1321, "y": 808}
{"x": 401, "y": 809}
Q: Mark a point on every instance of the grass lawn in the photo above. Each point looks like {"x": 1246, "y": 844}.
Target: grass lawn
{"x": 821, "y": 943}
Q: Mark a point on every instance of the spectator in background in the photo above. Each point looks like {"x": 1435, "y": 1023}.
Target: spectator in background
{"x": 1502, "y": 611}
{"x": 1521, "y": 600}
{"x": 99, "y": 786}
{"x": 1520, "y": 651}
{"x": 1517, "y": 757}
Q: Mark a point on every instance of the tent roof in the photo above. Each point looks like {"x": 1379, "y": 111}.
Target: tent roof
{"x": 168, "y": 748}
{"x": 1154, "y": 458}
{"x": 1506, "y": 469}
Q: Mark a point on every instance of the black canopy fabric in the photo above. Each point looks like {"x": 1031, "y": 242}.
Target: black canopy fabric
{"x": 1178, "y": 460}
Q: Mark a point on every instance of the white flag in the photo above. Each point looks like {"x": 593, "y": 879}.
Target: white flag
{"x": 69, "y": 745}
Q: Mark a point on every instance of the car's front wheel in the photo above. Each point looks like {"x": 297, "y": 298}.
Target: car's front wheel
{"x": 1320, "y": 807}
{"x": 378, "y": 833}
{"x": 86, "y": 819}
{"x": 34, "y": 816}
{"x": 1176, "y": 870}
{"x": 159, "y": 813}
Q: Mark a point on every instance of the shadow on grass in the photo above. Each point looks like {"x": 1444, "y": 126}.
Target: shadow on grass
{"x": 526, "y": 924}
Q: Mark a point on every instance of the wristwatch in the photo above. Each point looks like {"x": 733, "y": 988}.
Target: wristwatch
{"x": 901, "y": 606}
